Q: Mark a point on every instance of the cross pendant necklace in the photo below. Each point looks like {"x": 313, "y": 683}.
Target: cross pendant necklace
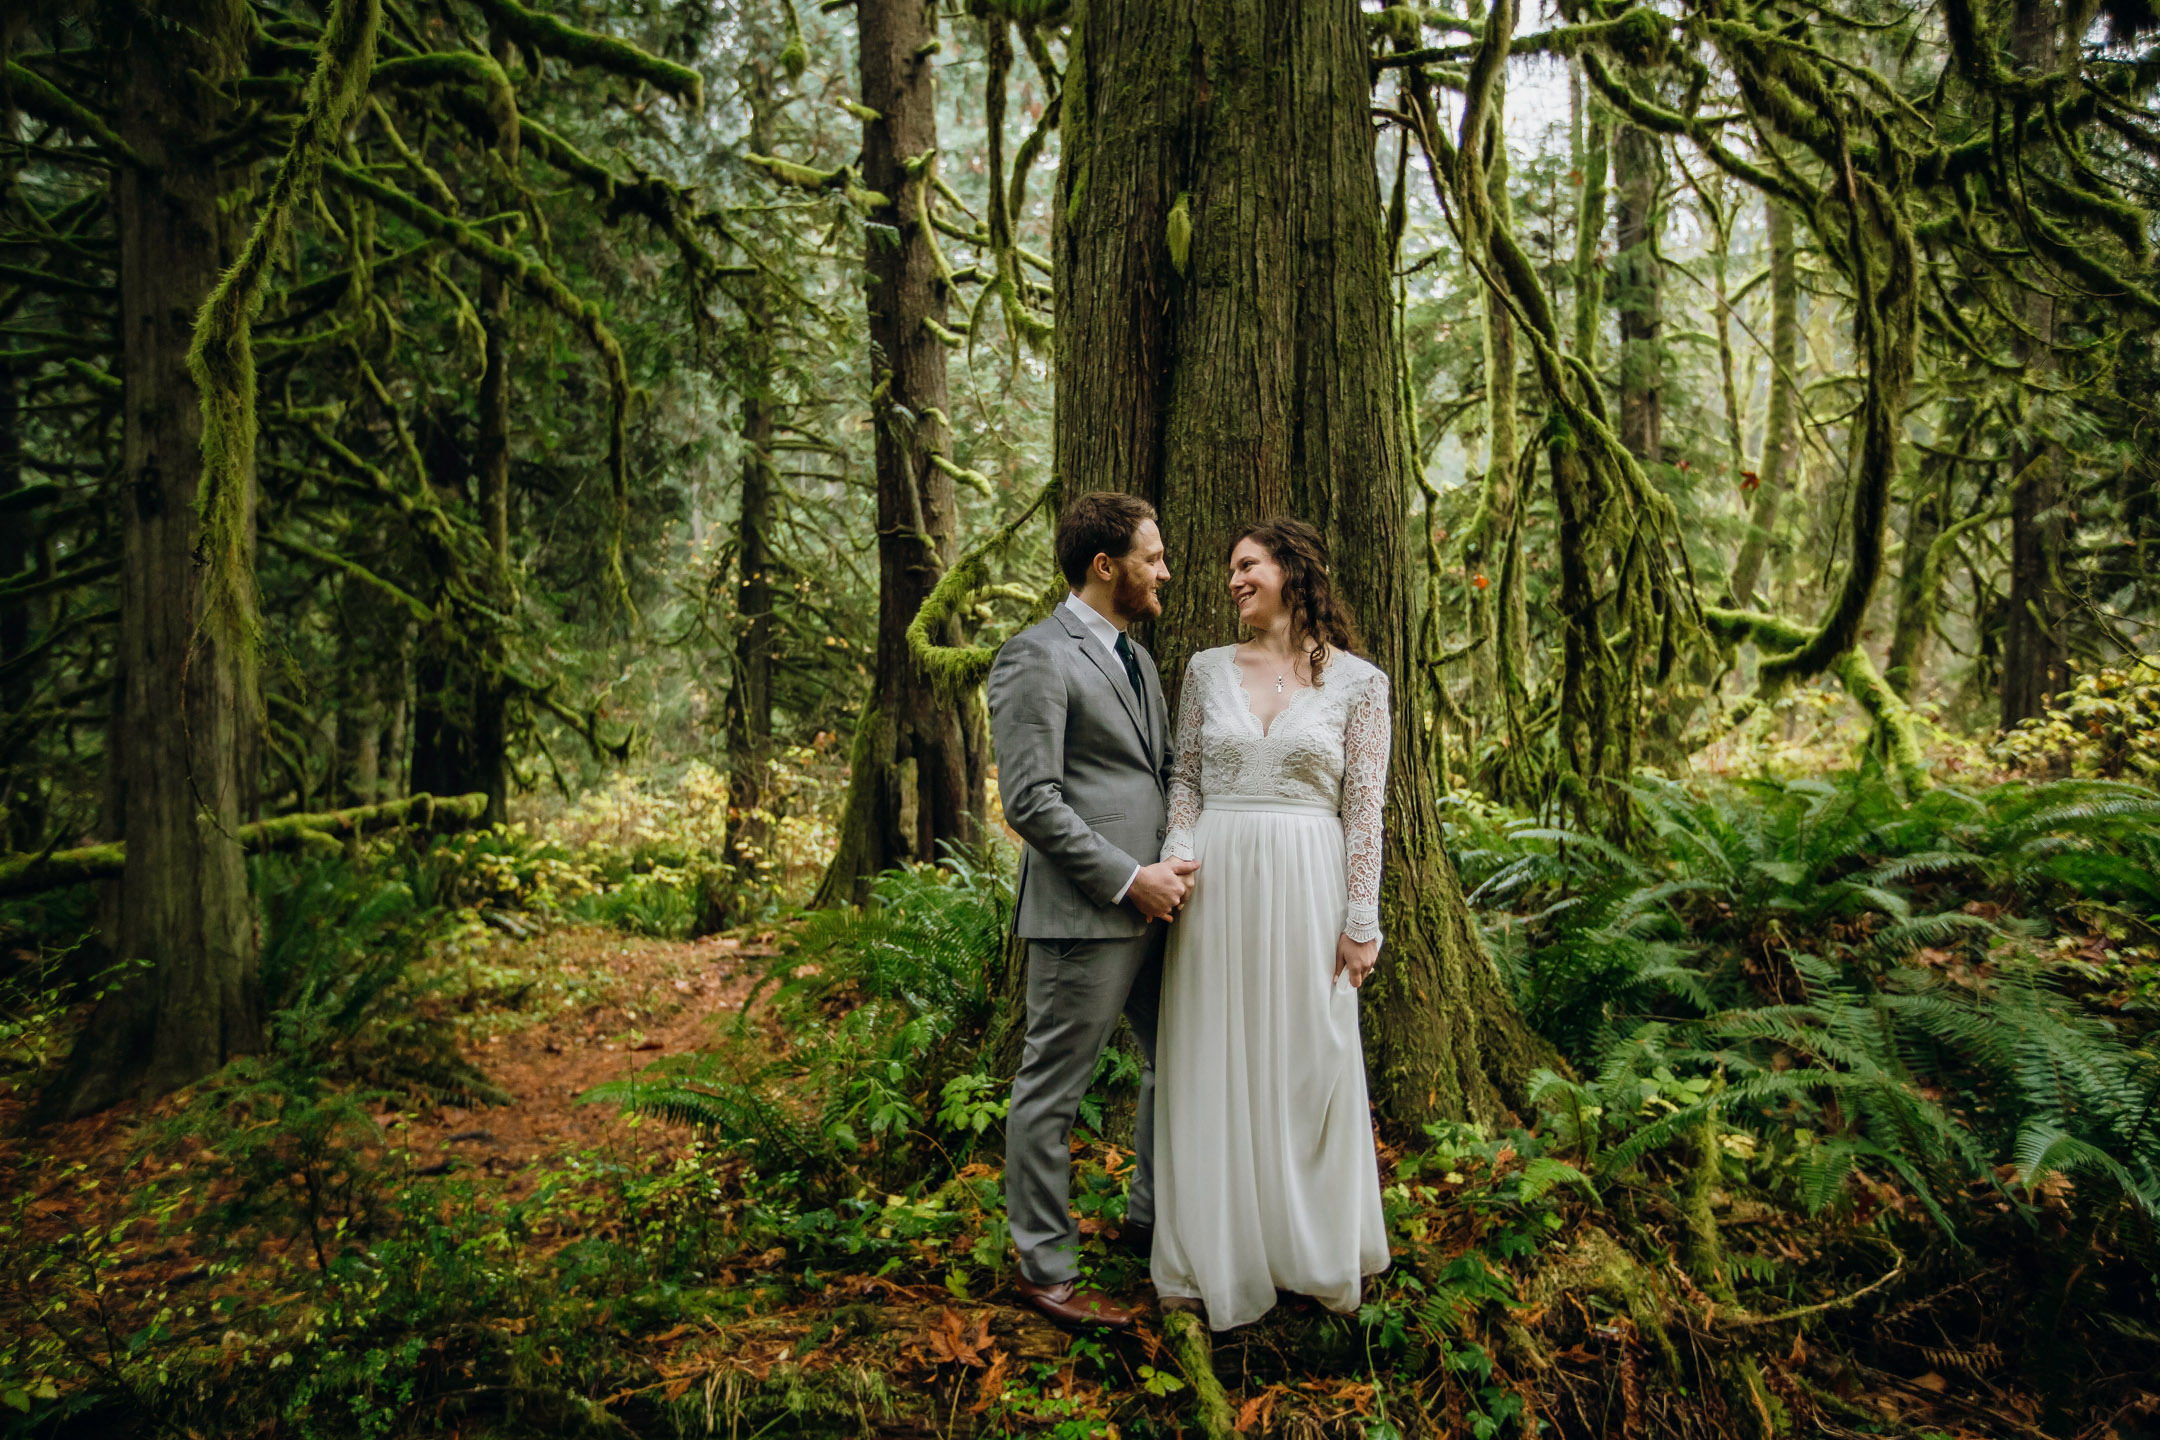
{"x": 1278, "y": 682}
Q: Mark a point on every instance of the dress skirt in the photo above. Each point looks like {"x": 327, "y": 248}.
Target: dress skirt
{"x": 1265, "y": 1174}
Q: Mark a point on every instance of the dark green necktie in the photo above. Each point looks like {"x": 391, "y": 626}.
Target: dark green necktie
{"x": 1132, "y": 673}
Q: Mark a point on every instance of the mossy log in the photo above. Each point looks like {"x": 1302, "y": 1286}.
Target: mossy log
{"x": 1195, "y": 1354}
{"x": 25, "y": 874}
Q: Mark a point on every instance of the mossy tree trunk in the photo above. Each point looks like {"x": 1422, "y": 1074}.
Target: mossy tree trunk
{"x": 491, "y": 477}
{"x": 180, "y": 744}
{"x": 1241, "y": 361}
{"x": 1637, "y": 290}
{"x": 2035, "y": 663}
{"x": 1920, "y": 567}
{"x": 749, "y": 702}
{"x": 1499, "y": 615}
{"x": 1781, "y": 425}
{"x": 919, "y": 765}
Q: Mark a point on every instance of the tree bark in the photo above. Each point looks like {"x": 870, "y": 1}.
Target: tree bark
{"x": 183, "y": 722}
{"x": 918, "y": 773}
{"x": 1920, "y": 571}
{"x": 1255, "y": 372}
{"x": 749, "y": 701}
{"x": 1638, "y": 173}
{"x": 491, "y": 475}
{"x": 2035, "y": 665}
{"x": 1781, "y": 425}
{"x": 1498, "y": 612}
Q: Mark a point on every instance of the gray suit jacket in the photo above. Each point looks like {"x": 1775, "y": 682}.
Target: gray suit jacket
{"x": 1084, "y": 774}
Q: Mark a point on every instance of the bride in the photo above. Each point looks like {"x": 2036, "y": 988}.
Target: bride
{"x": 1265, "y": 1176}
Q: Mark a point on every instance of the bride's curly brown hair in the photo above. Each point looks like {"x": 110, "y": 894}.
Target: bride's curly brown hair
{"x": 1316, "y": 613}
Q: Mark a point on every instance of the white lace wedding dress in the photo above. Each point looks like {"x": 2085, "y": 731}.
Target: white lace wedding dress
{"x": 1265, "y": 1175}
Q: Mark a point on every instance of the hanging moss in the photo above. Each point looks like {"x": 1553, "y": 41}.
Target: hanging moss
{"x": 461, "y": 68}
{"x": 1896, "y": 734}
{"x": 541, "y": 283}
{"x": 221, "y": 358}
{"x": 550, "y": 36}
{"x": 955, "y": 671}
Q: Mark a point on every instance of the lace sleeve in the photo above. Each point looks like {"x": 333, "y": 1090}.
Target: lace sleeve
{"x": 1364, "y": 798}
{"x": 1185, "y": 766}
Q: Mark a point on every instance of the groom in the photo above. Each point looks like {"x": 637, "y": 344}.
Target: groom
{"x": 1083, "y": 750}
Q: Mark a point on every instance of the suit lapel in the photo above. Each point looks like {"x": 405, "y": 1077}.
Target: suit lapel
{"x": 1104, "y": 661}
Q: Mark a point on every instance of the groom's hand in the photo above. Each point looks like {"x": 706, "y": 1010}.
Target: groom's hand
{"x": 1160, "y": 888}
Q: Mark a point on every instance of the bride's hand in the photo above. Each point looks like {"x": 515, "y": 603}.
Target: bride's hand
{"x": 1356, "y": 957}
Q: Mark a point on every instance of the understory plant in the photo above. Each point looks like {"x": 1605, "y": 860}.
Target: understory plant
{"x": 879, "y": 1011}
{"x": 1835, "y": 1003}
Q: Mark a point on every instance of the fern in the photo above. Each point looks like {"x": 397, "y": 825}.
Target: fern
{"x": 1764, "y": 933}
{"x": 881, "y": 1005}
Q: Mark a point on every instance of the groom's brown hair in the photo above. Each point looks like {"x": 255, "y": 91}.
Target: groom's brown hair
{"x": 1101, "y": 522}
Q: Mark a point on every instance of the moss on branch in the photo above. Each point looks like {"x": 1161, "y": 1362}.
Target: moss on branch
{"x": 26, "y": 874}
{"x": 221, "y": 358}
{"x": 40, "y": 97}
{"x": 602, "y": 52}
{"x": 956, "y": 670}
{"x": 460, "y": 68}
{"x": 807, "y": 177}
{"x": 1896, "y": 737}
{"x": 541, "y": 283}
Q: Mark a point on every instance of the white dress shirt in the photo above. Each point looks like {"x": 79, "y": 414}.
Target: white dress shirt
{"x": 1109, "y": 634}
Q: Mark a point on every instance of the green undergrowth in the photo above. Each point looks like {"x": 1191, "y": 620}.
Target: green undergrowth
{"x": 1856, "y": 1133}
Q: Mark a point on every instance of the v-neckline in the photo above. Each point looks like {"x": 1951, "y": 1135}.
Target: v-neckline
{"x": 1267, "y": 726}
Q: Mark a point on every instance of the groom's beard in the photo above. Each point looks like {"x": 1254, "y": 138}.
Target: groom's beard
{"x": 1133, "y": 597}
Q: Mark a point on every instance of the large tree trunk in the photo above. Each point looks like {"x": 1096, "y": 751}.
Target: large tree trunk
{"x": 919, "y": 765}
{"x": 1499, "y": 615}
{"x": 749, "y": 701}
{"x": 1256, "y": 372}
{"x": 2035, "y": 666}
{"x": 491, "y": 476}
{"x": 1781, "y": 426}
{"x": 1920, "y": 570}
{"x": 183, "y": 721}
{"x": 22, "y": 807}
{"x": 1638, "y": 176}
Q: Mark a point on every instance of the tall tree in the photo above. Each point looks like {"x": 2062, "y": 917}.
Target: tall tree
{"x": 183, "y": 703}
{"x": 919, "y": 765}
{"x": 1637, "y": 289}
{"x": 1499, "y": 614}
{"x": 1781, "y": 426}
{"x": 750, "y": 691}
{"x": 1224, "y": 347}
{"x": 2035, "y": 663}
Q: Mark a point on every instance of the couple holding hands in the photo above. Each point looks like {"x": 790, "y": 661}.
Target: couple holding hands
{"x": 1217, "y": 882}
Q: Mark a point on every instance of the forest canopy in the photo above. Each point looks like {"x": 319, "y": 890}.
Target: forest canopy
{"x": 504, "y": 505}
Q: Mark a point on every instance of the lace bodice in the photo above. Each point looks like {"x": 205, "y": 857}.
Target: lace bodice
{"x": 1328, "y": 746}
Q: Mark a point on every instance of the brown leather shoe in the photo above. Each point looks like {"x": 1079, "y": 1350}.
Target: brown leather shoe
{"x": 1069, "y": 1305}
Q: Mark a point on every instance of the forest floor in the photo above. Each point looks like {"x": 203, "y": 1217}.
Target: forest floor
{"x": 570, "y": 1009}
{"x": 769, "y": 1340}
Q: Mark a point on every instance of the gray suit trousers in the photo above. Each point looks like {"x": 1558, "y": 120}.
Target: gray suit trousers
{"x": 1076, "y": 990}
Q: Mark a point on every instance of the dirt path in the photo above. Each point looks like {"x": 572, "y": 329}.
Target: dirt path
{"x": 589, "y": 1005}
{"x": 629, "y": 1001}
